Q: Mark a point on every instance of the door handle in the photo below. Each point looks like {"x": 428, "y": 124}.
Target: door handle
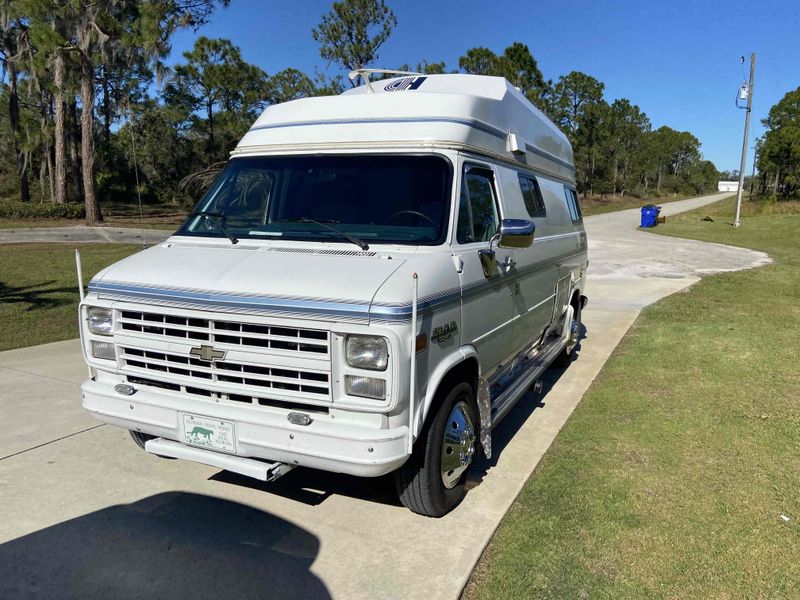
{"x": 508, "y": 264}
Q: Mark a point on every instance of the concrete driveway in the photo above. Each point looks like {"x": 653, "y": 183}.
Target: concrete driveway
{"x": 86, "y": 514}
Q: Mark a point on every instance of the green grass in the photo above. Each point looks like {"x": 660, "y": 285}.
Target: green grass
{"x": 115, "y": 214}
{"x": 169, "y": 222}
{"x": 39, "y": 289}
{"x": 670, "y": 477}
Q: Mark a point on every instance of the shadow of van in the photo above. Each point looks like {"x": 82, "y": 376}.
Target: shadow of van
{"x": 168, "y": 545}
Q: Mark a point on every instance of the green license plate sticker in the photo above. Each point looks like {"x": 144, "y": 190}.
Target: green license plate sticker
{"x": 205, "y": 432}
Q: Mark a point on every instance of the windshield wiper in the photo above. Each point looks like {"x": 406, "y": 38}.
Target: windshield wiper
{"x": 215, "y": 218}
{"x": 350, "y": 238}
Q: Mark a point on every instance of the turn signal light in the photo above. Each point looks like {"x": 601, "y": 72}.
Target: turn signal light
{"x": 365, "y": 387}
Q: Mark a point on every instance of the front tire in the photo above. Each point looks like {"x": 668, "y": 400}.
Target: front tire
{"x": 141, "y": 439}
{"x": 433, "y": 480}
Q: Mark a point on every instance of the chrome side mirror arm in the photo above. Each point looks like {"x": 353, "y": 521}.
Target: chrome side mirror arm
{"x": 489, "y": 257}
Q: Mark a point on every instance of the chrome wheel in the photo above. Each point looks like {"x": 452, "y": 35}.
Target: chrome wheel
{"x": 574, "y": 333}
{"x": 458, "y": 444}
{"x": 574, "y": 330}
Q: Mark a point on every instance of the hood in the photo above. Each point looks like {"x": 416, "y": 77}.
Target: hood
{"x": 320, "y": 282}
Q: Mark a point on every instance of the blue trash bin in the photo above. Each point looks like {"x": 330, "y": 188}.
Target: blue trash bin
{"x": 649, "y": 215}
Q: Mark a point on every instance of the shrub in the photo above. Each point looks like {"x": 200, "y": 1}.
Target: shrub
{"x": 10, "y": 209}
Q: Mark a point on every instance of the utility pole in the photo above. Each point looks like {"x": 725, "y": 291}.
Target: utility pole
{"x": 743, "y": 166}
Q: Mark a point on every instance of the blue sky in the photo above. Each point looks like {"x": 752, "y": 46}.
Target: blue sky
{"x": 678, "y": 60}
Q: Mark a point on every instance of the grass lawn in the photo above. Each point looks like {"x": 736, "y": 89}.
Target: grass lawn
{"x": 115, "y": 214}
{"x": 167, "y": 222}
{"x": 39, "y": 289}
{"x": 670, "y": 478}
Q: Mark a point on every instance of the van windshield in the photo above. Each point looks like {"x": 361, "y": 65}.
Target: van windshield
{"x": 375, "y": 198}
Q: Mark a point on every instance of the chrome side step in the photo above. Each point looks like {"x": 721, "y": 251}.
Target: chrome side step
{"x": 538, "y": 361}
{"x": 250, "y": 467}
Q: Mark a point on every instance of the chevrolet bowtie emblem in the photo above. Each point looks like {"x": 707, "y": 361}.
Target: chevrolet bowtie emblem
{"x": 207, "y": 353}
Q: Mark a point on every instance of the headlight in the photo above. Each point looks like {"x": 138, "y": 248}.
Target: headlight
{"x": 100, "y": 320}
{"x": 367, "y": 352}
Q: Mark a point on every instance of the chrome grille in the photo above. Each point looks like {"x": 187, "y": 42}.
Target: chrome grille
{"x": 226, "y": 397}
{"x": 226, "y": 334}
{"x": 247, "y": 379}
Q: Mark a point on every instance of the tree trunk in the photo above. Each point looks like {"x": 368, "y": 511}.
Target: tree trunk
{"x": 93, "y": 214}
{"x": 616, "y": 174}
{"x": 106, "y": 109}
{"x": 75, "y": 159}
{"x": 210, "y": 111}
{"x": 50, "y": 170}
{"x": 13, "y": 115}
{"x": 658, "y": 183}
{"x": 775, "y": 185}
{"x": 625, "y": 166}
{"x": 46, "y": 166}
{"x": 61, "y": 154}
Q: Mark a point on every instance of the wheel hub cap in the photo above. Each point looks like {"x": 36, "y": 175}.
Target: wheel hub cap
{"x": 458, "y": 444}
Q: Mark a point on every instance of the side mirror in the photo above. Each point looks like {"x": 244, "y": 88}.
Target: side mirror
{"x": 516, "y": 233}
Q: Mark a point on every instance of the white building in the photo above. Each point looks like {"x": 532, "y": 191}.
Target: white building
{"x": 728, "y": 186}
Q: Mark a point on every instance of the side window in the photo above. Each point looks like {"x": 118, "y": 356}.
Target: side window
{"x": 532, "y": 195}
{"x": 573, "y": 204}
{"x": 477, "y": 212}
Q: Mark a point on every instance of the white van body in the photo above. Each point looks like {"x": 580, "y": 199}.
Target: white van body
{"x": 242, "y": 355}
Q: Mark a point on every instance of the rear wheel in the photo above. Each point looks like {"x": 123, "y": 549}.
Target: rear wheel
{"x": 565, "y": 357}
{"x": 432, "y": 482}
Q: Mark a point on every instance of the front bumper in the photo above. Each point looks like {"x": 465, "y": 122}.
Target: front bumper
{"x": 340, "y": 447}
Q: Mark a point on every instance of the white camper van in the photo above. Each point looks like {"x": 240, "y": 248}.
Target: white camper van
{"x": 370, "y": 284}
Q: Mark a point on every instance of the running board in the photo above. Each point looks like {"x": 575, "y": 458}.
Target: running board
{"x": 250, "y": 467}
{"x": 538, "y": 360}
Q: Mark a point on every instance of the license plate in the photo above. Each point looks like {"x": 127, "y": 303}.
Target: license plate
{"x": 213, "y": 434}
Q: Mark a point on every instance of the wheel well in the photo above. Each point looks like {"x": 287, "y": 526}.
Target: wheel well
{"x": 576, "y": 299}
{"x": 468, "y": 371}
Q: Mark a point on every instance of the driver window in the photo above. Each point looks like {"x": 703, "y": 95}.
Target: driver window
{"x": 477, "y": 213}
{"x": 250, "y": 197}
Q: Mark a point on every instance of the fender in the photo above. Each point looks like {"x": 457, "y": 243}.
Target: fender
{"x": 442, "y": 369}
{"x": 482, "y": 394}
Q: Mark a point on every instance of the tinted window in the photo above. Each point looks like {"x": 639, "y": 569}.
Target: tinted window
{"x": 377, "y": 198}
{"x": 532, "y": 195}
{"x": 573, "y": 204}
{"x": 477, "y": 213}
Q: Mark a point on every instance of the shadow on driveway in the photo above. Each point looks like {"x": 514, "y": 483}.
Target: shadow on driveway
{"x": 171, "y": 545}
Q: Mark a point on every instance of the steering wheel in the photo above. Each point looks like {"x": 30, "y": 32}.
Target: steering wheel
{"x": 412, "y": 212}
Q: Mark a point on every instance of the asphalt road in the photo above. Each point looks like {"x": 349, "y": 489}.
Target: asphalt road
{"x": 85, "y": 514}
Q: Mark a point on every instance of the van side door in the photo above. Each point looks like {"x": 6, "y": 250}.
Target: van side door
{"x": 486, "y": 302}
{"x": 536, "y": 269}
